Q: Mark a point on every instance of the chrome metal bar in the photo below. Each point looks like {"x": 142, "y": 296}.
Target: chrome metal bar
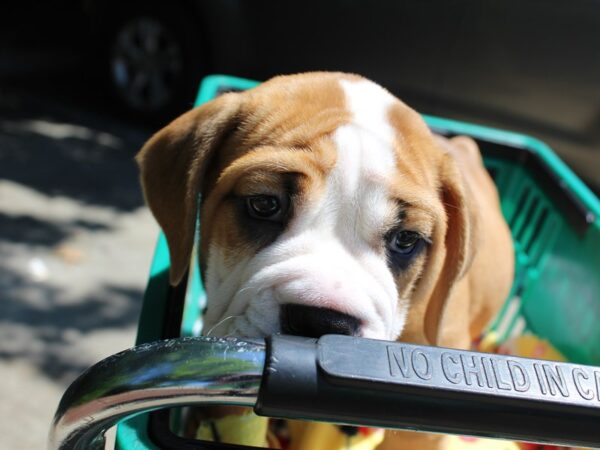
{"x": 186, "y": 371}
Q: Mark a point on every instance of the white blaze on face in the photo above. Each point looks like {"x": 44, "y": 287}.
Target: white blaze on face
{"x": 326, "y": 258}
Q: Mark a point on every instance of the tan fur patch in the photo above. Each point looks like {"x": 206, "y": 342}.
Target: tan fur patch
{"x": 283, "y": 130}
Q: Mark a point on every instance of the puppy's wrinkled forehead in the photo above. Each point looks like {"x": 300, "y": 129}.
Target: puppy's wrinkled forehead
{"x": 342, "y": 119}
{"x": 293, "y": 111}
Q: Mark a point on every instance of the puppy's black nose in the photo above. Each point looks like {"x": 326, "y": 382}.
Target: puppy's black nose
{"x": 310, "y": 321}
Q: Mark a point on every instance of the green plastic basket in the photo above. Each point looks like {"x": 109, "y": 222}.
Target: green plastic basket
{"x": 555, "y": 222}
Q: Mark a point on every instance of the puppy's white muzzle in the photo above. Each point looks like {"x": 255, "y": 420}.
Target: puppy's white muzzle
{"x": 315, "y": 273}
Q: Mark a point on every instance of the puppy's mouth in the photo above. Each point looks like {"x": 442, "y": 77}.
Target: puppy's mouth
{"x": 306, "y": 321}
{"x": 312, "y": 321}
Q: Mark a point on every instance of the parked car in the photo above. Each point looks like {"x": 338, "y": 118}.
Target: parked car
{"x": 528, "y": 66}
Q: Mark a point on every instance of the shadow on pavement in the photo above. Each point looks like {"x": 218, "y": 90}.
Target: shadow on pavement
{"x": 48, "y": 324}
{"x": 91, "y": 164}
{"x": 29, "y": 230}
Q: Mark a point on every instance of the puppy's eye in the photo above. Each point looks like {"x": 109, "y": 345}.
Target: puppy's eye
{"x": 265, "y": 207}
{"x": 404, "y": 242}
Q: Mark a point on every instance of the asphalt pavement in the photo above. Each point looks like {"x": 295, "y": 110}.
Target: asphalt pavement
{"x": 75, "y": 238}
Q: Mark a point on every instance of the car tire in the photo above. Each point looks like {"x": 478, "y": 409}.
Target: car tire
{"x": 155, "y": 57}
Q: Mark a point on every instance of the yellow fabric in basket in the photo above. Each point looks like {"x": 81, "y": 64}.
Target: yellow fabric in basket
{"x": 469, "y": 443}
{"x": 324, "y": 436}
{"x": 531, "y": 346}
{"x": 244, "y": 429}
{"x": 250, "y": 429}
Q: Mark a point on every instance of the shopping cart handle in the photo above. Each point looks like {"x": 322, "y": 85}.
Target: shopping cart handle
{"x": 162, "y": 374}
{"x": 338, "y": 379}
{"x": 389, "y": 384}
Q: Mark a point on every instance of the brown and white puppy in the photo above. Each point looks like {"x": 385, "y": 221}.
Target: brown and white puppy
{"x": 327, "y": 205}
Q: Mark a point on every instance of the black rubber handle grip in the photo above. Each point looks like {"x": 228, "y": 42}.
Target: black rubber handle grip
{"x": 394, "y": 385}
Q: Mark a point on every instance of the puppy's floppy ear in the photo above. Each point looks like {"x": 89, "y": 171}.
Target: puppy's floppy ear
{"x": 460, "y": 240}
{"x": 172, "y": 165}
